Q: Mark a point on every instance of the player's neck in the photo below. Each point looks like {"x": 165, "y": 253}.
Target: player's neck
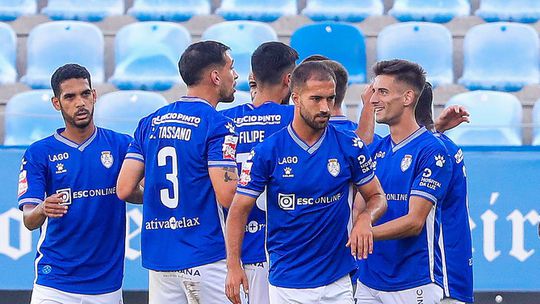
{"x": 78, "y": 135}
{"x": 203, "y": 92}
{"x": 263, "y": 95}
{"x": 306, "y": 133}
{"x": 403, "y": 129}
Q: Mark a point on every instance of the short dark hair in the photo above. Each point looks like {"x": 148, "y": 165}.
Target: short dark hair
{"x": 270, "y": 60}
{"x": 66, "y": 72}
{"x": 310, "y": 70}
{"x": 316, "y": 57}
{"x": 199, "y": 56}
{"x": 342, "y": 80}
{"x": 424, "y": 108}
{"x": 405, "y": 71}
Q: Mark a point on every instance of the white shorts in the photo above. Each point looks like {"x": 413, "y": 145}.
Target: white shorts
{"x": 257, "y": 275}
{"x": 451, "y": 301}
{"x": 203, "y": 284}
{"x": 339, "y": 292}
{"x": 47, "y": 295}
{"x": 425, "y": 294}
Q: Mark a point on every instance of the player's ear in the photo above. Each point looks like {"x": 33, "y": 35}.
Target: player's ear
{"x": 94, "y": 95}
{"x": 409, "y": 98}
{"x": 287, "y": 79}
{"x": 56, "y": 103}
{"x": 214, "y": 77}
{"x": 295, "y": 98}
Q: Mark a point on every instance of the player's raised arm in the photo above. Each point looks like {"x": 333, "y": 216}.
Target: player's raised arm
{"x": 224, "y": 181}
{"x": 366, "y": 122}
{"x": 128, "y": 185}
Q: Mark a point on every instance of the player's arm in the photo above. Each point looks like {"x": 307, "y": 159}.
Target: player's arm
{"x": 234, "y": 236}
{"x": 128, "y": 185}
{"x": 224, "y": 180}
{"x": 408, "y": 225}
{"x": 34, "y": 215}
{"x": 451, "y": 117}
{"x": 366, "y": 122}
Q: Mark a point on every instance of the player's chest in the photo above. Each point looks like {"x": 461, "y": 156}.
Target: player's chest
{"x": 71, "y": 164}
{"x": 395, "y": 169}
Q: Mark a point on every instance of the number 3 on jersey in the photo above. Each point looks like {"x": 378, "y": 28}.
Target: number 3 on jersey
{"x": 165, "y": 195}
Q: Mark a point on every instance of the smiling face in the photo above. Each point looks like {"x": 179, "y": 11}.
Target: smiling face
{"x": 390, "y": 99}
{"x": 227, "y": 76}
{"x": 76, "y": 103}
{"x": 314, "y": 101}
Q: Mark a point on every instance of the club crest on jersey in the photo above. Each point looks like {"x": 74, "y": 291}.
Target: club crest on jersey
{"x": 229, "y": 147}
{"x": 333, "y": 167}
{"x": 107, "y": 159}
{"x": 406, "y": 162}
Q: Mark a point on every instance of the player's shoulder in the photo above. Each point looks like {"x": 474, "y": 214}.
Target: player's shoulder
{"x": 43, "y": 145}
{"x": 236, "y": 111}
{"x": 345, "y": 137}
{"x": 117, "y": 137}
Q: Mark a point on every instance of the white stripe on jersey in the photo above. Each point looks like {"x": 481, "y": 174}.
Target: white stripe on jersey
{"x": 221, "y": 217}
{"x": 40, "y": 241}
{"x": 350, "y": 200}
{"x": 443, "y": 259}
{"x": 430, "y": 234}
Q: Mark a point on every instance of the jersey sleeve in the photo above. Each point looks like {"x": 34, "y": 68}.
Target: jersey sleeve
{"x": 32, "y": 179}
{"x": 433, "y": 174}
{"x": 255, "y": 173}
{"x": 360, "y": 160}
{"x": 136, "y": 148}
{"x": 222, "y": 142}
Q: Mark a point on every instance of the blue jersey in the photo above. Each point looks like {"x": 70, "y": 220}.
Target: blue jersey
{"x": 253, "y": 125}
{"x": 82, "y": 251}
{"x": 456, "y": 244}
{"x": 182, "y": 220}
{"x": 417, "y": 166}
{"x": 341, "y": 122}
{"x": 309, "y": 196}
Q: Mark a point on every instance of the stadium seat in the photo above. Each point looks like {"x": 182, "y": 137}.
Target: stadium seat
{"x": 243, "y": 37}
{"x": 432, "y": 11}
{"x": 168, "y": 10}
{"x": 8, "y": 52}
{"x": 500, "y": 56}
{"x": 13, "y": 9}
{"x": 121, "y": 111}
{"x": 83, "y": 10}
{"x": 146, "y": 55}
{"x": 53, "y": 44}
{"x": 526, "y": 11}
{"x": 428, "y": 44}
{"x": 240, "y": 98}
{"x": 30, "y": 116}
{"x": 536, "y": 123}
{"x": 344, "y": 10}
{"x": 342, "y": 42}
{"x": 259, "y": 10}
{"x": 495, "y": 119}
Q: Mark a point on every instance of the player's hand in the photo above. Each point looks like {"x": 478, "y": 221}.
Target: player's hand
{"x": 361, "y": 238}
{"x": 451, "y": 117}
{"x": 236, "y": 276}
{"x": 367, "y": 94}
{"x": 51, "y": 206}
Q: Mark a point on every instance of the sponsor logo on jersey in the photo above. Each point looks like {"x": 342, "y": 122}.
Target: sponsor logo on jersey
{"x": 365, "y": 166}
{"x": 290, "y": 201}
{"x": 23, "y": 183}
{"x": 286, "y": 201}
{"x": 65, "y": 196}
{"x": 229, "y": 147}
{"x": 107, "y": 159}
{"x": 258, "y": 120}
{"x": 459, "y": 156}
{"x": 288, "y": 160}
{"x": 176, "y": 118}
{"x": 245, "y": 173}
{"x": 172, "y": 223}
{"x": 333, "y": 167}
{"x": 439, "y": 160}
{"x": 60, "y": 168}
{"x": 287, "y": 172}
{"x": 427, "y": 172}
{"x": 58, "y": 157}
{"x": 406, "y": 162}
{"x": 397, "y": 197}
{"x": 254, "y": 227}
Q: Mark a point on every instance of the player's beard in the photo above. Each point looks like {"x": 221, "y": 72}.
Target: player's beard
{"x": 226, "y": 96}
{"x": 311, "y": 120}
{"x": 79, "y": 124}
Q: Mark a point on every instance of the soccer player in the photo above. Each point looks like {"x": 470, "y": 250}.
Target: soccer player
{"x": 308, "y": 170}
{"x": 272, "y": 64}
{"x": 415, "y": 171}
{"x": 67, "y": 189}
{"x": 252, "y": 86}
{"x": 186, "y": 153}
{"x": 455, "y": 239}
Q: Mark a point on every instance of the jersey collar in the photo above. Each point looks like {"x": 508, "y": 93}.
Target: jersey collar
{"x": 194, "y": 99}
{"x": 72, "y": 144}
{"x": 302, "y": 144}
{"x": 338, "y": 118}
{"x": 407, "y": 140}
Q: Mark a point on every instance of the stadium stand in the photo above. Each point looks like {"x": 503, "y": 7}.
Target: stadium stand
{"x": 146, "y": 55}
{"x": 428, "y": 44}
{"x": 342, "y": 42}
{"x": 495, "y": 119}
{"x": 83, "y": 10}
{"x": 259, "y": 10}
{"x": 30, "y": 116}
{"x": 536, "y": 123}
{"x": 526, "y": 11}
{"x": 13, "y": 9}
{"x": 500, "y": 56}
{"x": 54, "y": 44}
{"x": 8, "y": 52}
{"x": 440, "y": 11}
{"x": 240, "y": 98}
{"x": 344, "y": 10}
{"x": 243, "y": 37}
{"x": 121, "y": 110}
{"x": 168, "y": 10}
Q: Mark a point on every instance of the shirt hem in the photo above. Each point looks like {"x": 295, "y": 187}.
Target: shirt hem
{"x": 395, "y": 288}
{"x": 59, "y": 287}
{"x": 333, "y": 279}
{"x": 155, "y": 267}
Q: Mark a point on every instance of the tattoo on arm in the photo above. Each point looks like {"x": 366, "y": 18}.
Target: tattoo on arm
{"x": 227, "y": 176}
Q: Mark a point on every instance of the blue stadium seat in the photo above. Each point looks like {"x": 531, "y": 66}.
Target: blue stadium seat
{"x": 240, "y": 98}
{"x": 8, "y": 53}
{"x": 500, "y": 56}
{"x": 536, "y": 122}
{"x": 342, "y": 42}
{"x": 243, "y": 37}
{"x": 439, "y": 11}
{"x": 342, "y": 10}
{"x": 526, "y": 11}
{"x": 428, "y": 44}
{"x": 83, "y": 10}
{"x": 168, "y": 10}
{"x": 30, "y": 116}
{"x": 146, "y": 55}
{"x": 495, "y": 119}
{"x": 259, "y": 10}
{"x": 121, "y": 110}
{"x": 13, "y": 9}
{"x": 53, "y": 44}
